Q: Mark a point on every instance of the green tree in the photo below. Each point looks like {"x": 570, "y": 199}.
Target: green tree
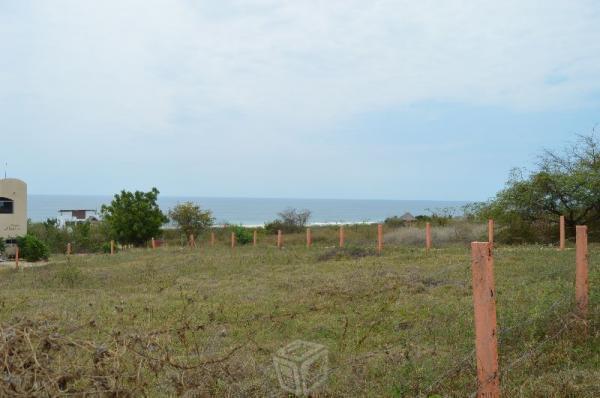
{"x": 191, "y": 219}
{"x": 134, "y": 218}
{"x": 564, "y": 183}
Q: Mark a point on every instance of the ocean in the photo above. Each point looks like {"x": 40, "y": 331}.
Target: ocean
{"x": 256, "y": 211}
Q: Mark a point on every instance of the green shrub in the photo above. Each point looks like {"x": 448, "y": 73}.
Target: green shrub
{"x": 85, "y": 237}
{"x": 32, "y": 249}
{"x": 106, "y": 248}
{"x": 272, "y": 227}
{"x": 243, "y": 236}
{"x": 394, "y": 222}
{"x": 191, "y": 219}
{"x": 2, "y": 246}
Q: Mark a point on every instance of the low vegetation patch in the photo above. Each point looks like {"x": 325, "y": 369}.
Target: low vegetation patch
{"x": 345, "y": 253}
{"x": 207, "y": 322}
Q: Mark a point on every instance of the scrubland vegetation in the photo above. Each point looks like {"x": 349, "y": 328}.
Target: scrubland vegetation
{"x": 206, "y": 321}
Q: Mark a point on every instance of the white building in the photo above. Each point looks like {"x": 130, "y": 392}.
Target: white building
{"x": 72, "y": 216}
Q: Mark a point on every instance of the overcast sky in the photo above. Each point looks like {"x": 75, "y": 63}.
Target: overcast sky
{"x": 274, "y": 98}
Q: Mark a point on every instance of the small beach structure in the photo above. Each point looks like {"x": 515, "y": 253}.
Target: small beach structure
{"x": 77, "y": 216}
{"x": 13, "y": 208}
{"x": 408, "y": 219}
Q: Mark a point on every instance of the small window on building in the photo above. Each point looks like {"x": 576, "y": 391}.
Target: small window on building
{"x": 6, "y": 206}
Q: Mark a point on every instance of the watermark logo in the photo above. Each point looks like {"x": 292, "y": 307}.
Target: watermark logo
{"x": 301, "y": 367}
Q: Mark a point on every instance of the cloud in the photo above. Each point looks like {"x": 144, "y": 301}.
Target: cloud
{"x": 154, "y": 63}
{"x": 270, "y": 74}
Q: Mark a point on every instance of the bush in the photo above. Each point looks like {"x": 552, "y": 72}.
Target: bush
{"x": 289, "y": 221}
{"x": 276, "y": 225}
{"x": 134, "y": 217}
{"x": 86, "y": 237}
{"x": 243, "y": 236}
{"x": 32, "y": 249}
{"x": 191, "y": 219}
{"x": 106, "y": 248}
{"x": 394, "y": 222}
{"x": 2, "y": 246}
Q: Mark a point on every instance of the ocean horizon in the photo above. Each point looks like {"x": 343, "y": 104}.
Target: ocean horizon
{"x": 256, "y": 211}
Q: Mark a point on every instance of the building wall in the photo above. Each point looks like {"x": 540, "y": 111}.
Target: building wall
{"x": 15, "y": 224}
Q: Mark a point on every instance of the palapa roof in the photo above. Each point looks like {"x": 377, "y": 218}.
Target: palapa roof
{"x": 408, "y": 217}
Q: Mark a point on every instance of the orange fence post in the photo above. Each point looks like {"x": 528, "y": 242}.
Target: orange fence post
{"x": 562, "y": 233}
{"x": 279, "y": 239}
{"x": 428, "y": 236}
{"x": 232, "y": 240}
{"x": 17, "y": 257}
{"x": 581, "y": 272}
{"x": 255, "y": 238}
{"x": 212, "y": 238}
{"x": 379, "y": 238}
{"x": 308, "y": 237}
{"x": 153, "y": 244}
{"x": 69, "y": 249}
{"x": 342, "y": 236}
{"x": 112, "y": 247}
{"x": 491, "y": 231}
{"x": 484, "y": 301}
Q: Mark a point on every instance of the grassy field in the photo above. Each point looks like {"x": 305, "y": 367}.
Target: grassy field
{"x": 206, "y": 322}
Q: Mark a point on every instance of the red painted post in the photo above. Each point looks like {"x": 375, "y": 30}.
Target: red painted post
{"x": 69, "y": 249}
{"x": 255, "y": 238}
{"x": 279, "y": 239}
{"x": 232, "y": 240}
{"x": 212, "y": 238}
{"x": 112, "y": 247}
{"x": 491, "y": 231}
{"x": 484, "y": 301}
{"x": 581, "y": 272}
{"x": 342, "y": 236}
{"x": 428, "y": 236}
{"x": 17, "y": 257}
{"x": 308, "y": 237}
{"x": 562, "y": 233}
{"x": 379, "y": 238}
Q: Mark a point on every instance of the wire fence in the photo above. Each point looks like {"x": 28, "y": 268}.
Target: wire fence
{"x": 150, "y": 352}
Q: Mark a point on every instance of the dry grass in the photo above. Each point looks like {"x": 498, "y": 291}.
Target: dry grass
{"x": 457, "y": 232}
{"x": 207, "y": 322}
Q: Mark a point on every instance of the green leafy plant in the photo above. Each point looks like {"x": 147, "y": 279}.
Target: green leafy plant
{"x": 134, "y": 218}
{"x": 2, "y": 246}
{"x": 32, "y": 249}
{"x": 191, "y": 219}
{"x": 243, "y": 236}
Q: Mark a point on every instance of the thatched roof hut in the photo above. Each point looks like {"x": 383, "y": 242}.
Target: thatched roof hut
{"x": 408, "y": 218}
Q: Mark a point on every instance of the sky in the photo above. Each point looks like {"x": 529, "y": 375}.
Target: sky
{"x": 310, "y": 99}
